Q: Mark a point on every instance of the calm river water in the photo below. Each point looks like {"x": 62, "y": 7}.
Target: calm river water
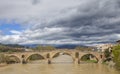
{"x": 61, "y": 65}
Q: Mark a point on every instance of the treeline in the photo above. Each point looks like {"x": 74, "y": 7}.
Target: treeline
{"x": 13, "y": 45}
{"x": 113, "y": 55}
{"x": 4, "y": 48}
{"x": 116, "y": 56}
{"x": 44, "y": 48}
{"x": 84, "y": 48}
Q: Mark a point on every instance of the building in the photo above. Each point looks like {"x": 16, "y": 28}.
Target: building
{"x": 103, "y": 47}
{"x": 118, "y": 42}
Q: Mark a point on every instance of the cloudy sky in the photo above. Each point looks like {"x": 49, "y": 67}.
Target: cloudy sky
{"x": 84, "y": 22}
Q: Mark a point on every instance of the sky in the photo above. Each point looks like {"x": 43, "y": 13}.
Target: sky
{"x": 83, "y": 22}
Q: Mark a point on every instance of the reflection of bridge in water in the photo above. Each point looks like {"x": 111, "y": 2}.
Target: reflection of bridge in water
{"x": 23, "y": 57}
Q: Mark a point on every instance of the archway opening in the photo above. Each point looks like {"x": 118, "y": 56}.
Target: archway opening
{"x": 12, "y": 59}
{"x": 35, "y": 58}
{"x": 89, "y": 58}
{"x": 62, "y": 57}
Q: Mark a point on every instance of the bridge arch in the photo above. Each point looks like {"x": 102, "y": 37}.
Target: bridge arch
{"x": 12, "y": 59}
{"x": 90, "y": 55}
{"x": 39, "y": 55}
{"x": 63, "y": 53}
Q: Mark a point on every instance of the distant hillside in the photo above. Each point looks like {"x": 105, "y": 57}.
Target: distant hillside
{"x": 67, "y": 46}
{"x": 62, "y": 46}
{"x": 58, "y": 46}
{"x": 11, "y": 48}
{"x": 12, "y": 45}
{"x": 30, "y": 45}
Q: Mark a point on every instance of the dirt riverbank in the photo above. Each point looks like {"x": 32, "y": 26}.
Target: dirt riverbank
{"x": 3, "y": 64}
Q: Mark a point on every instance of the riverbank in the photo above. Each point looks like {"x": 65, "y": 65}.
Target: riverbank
{"x": 3, "y": 64}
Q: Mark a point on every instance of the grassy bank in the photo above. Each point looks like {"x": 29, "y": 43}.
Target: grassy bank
{"x": 89, "y": 61}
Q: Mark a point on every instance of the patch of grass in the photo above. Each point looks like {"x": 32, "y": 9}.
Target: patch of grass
{"x": 91, "y": 61}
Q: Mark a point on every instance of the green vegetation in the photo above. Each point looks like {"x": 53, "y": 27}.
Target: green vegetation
{"x": 83, "y": 48}
{"x": 44, "y": 48}
{"x": 4, "y": 48}
{"x": 87, "y": 59}
{"x": 108, "y": 56}
{"x": 12, "y": 45}
{"x": 107, "y": 53}
{"x": 91, "y": 61}
{"x": 116, "y": 54}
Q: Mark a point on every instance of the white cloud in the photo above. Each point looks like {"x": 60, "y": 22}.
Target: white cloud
{"x": 15, "y": 32}
{"x": 62, "y": 21}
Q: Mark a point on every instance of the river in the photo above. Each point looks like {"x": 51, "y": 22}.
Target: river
{"x": 61, "y": 65}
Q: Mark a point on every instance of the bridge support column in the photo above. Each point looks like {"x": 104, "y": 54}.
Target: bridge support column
{"x": 48, "y": 58}
{"x": 49, "y": 61}
{"x": 100, "y": 61}
{"x": 101, "y": 58}
{"x": 23, "y": 61}
{"x": 76, "y": 61}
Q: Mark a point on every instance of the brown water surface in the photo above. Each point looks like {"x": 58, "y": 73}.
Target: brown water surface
{"x": 62, "y": 65}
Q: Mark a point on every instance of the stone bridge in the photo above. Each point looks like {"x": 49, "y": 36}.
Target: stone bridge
{"x": 23, "y": 57}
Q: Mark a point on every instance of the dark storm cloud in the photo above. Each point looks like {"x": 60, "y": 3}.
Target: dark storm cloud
{"x": 97, "y": 24}
{"x": 34, "y": 2}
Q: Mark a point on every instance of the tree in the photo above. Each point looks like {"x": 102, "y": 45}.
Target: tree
{"x": 39, "y": 48}
{"x": 50, "y": 48}
{"x": 116, "y": 54}
{"x": 107, "y": 53}
{"x": 4, "y": 48}
{"x": 83, "y": 48}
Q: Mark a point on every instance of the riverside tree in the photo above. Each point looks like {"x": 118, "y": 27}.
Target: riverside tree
{"x": 116, "y": 54}
{"x": 83, "y": 48}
